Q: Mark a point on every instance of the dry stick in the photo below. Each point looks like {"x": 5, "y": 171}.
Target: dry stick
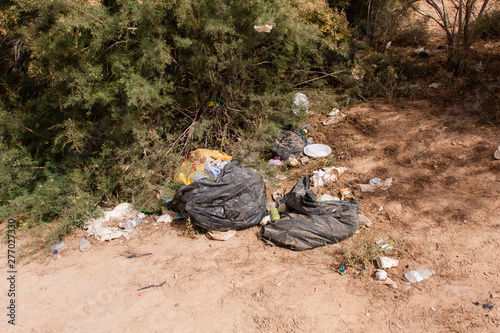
{"x": 331, "y": 74}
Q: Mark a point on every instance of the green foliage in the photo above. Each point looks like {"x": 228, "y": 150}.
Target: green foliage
{"x": 489, "y": 25}
{"x": 102, "y": 99}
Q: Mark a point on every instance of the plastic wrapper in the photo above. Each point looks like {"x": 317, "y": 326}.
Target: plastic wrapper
{"x": 193, "y": 168}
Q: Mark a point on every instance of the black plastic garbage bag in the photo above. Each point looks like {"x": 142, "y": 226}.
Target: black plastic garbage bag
{"x": 310, "y": 223}
{"x": 235, "y": 200}
{"x": 289, "y": 144}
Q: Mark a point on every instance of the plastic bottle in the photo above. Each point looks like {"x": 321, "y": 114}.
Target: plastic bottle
{"x": 419, "y": 275}
{"x": 56, "y": 247}
{"x": 131, "y": 224}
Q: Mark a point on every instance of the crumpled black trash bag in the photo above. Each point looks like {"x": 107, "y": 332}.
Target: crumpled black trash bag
{"x": 289, "y": 144}
{"x": 236, "y": 200}
{"x": 311, "y": 224}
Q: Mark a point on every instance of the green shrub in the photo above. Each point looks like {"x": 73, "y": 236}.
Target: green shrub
{"x": 101, "y": 100}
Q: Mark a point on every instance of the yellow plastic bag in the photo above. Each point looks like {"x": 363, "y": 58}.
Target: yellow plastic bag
{"x": 193, "y": 167}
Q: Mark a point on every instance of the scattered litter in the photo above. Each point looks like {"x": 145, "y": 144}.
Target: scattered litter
{"x": 342, "y": 269}
{"x": 153, "y": 286}
{"x": 84, "y": 245}
{"x": 375, "y": 181}
{"x": 305, "y": 129}
{"x": 100, "y": 229}
{"x": 304, "y": 160}
{"x": 222, "y": 235}
{"x": 275, "y": 215}
{"x": 434, "y": 85}
{"x": 363, "y": 220}
{"x": 276, "y": 161}
{"x": 496, "y": 155}
{"x": 326, "y": 175}
{"x": 372, "y": 188}
{"x": 265, "y": 220}
{"x": 123, "y": 211}
{"x": 419, "y": 275}
{"x": 293, "y": 161}
{"x": 300, "y": 104}
{"x": 334, "y": 117}
{"x": 381, "y": 275}
{"x": 478, "y": 303}
{"x": 326, "y": 197}
{"x": 391, "y": 283}
{"x": 193, "y": 168}
{"x": 142, "y": 294}
{"x": 165, "y": 218}
{"x": 281, "y": 177}
{"x": 214, "y": 167}
{"x": 263, "y": 28}
{"x": 346, "y": 194}
{"x": 422, "y": 52}
{"x": 289, "y": 145}
{"x": 56, "y": 247}
{"x": 131, "y": 224}
{"x": 270, "y": 205}
{"x": 317, "y": 150}
{"x": 384, "y": 245}
{"x": 138, "y": 255}
{"x": 489, "y": 306}
{"x": 386, "y": 262}
{"x": 310, "y": 223}
{"x": 236, "y": 201}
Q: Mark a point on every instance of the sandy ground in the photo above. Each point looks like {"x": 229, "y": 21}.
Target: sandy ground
{"x": 444, "y": 206}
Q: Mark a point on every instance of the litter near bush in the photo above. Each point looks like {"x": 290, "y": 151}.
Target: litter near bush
{"x": 384, "y": 185}
{"x": 434, "y": 85}
{"x": 289, "y": 145}
{"x": 236, "y": 200}
{"x": 84, "y": 245}
{"x": 115, "y": 223}
{"x": 263, "y": 28}
{"x": 317, "y": 150}
{"x": 300, "y": 104}
{"x": 386, "y": 262}
{"x": 222, "y": 235}
{"x": 201, "y": 163}
{"x": 419, "y": 275}
{"x": 334, "y": 117}
{"x": 381, "y": 275}
{"x": 57, "y": 247}
{"x": 310, "y": 223}
{"x": 496, "y": 155}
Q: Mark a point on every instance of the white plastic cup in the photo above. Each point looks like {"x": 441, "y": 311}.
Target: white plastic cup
{"x": 386, "y": 262}
{"x": 381, "y": 275}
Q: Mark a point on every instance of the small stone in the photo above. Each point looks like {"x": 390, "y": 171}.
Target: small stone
{"x": 489, "y": 306}
{"x": 478, "y": 303}
{"x": 433, "y": 309}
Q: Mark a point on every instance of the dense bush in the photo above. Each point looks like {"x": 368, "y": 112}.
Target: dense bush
{"x": 100, "y": 100}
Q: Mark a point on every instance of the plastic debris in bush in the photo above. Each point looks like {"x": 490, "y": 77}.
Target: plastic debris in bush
{"x": 105, "y": 227}
{"x": 193, "y": 168}
{"x": 276, "y": 161}
{"x": 326, "y": 175}
{"x": 310, "y": 223}
{"x": 236, "y": 200}
{"x": 289, "y": 145}
{"x": 334, "y": 117}
{"x": 263, "y": 28}
{"x": 300, "y": 104}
